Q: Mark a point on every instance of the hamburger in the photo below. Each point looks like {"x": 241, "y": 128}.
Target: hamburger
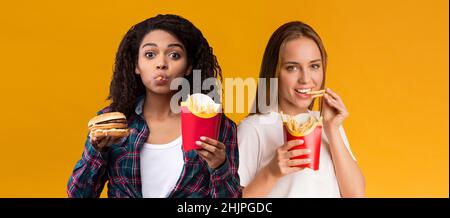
{"x": 108, "y": 124}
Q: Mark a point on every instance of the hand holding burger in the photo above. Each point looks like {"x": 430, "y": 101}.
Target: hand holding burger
{"x": 107, "y": 129}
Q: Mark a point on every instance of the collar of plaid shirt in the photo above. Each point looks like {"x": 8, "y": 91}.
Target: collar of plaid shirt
{"x": 121, "y": 166}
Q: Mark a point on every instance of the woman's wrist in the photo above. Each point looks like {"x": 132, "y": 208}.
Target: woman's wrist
{"x": 331, "y": 128}
{"x": 270, "y": 174}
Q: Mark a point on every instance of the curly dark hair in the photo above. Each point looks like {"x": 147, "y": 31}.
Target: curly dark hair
{"x": 126, "y": 86}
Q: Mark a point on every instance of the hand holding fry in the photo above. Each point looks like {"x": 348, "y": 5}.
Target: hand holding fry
{"x": 334, "y": 111}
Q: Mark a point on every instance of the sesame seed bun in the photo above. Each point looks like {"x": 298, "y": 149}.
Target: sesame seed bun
{"x": 109, "y": 124}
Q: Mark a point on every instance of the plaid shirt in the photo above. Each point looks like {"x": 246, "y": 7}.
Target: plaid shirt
{"x": 120, "y": 165}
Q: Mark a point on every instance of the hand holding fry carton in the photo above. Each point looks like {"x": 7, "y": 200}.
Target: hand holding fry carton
{"x": 200, "y": 116}
{"x": 308, "y": 128}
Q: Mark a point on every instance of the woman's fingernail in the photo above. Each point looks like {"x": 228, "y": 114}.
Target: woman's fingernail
{"x": 198, "y": 143}
{"x": 202, "y": 137}
{"x": 308, "y": 150}
{"x": 301, "y": 142}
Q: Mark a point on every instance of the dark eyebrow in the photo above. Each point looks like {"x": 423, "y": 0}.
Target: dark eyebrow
{"x": 291, "y": 62}
{"x": 176, "y": 45}
{"x": 296, "y": 63}
{"x": 149, "y": 44}
{"x": 169, "y": 46}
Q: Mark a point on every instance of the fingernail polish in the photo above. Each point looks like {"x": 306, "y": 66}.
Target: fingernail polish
{"x": 202, "y": 137}
{"x": 198, "y": 143}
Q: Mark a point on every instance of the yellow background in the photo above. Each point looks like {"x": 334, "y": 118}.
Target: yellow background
{"x": 387, "y": 59}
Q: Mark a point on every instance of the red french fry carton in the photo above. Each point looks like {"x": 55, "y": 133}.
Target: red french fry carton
{"x": 200, "y": 116}
{"x": 312, "y": 138}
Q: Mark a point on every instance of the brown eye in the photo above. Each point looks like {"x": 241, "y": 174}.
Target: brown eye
{"x": 150, "y": 55}
{"x": 291, "y": 68}
{"x": 315, "y": 66}
{"x": 174, "y": 55}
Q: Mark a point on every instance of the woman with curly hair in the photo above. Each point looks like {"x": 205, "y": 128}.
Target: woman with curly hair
{"x": 150, "y": 161}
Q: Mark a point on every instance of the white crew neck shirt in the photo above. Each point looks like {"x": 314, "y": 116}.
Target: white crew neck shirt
{"x": 258, "y": 138}
{"x": 161, "y": 167}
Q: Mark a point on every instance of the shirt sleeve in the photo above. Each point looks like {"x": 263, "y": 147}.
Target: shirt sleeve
{"x": 249, "y": 151}
{"x": 346, "y": 143}
{"x": 225, "y": 179}
{"x": 89, "y": 175}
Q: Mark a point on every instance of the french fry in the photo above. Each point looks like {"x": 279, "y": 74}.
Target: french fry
{"x": 296, "y": 127}
{"x": 317, "y": 96}
{"x": 198, "y": 107}
{"x": 316, "y": 92}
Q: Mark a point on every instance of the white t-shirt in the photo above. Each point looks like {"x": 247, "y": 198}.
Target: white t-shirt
{"x": 161, "y": 166}
{"x": 258, "y": 138}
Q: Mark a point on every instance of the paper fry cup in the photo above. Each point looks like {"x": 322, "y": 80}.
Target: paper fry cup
{"x": 312, "y": 140}
{"x": 197, "y": 122}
